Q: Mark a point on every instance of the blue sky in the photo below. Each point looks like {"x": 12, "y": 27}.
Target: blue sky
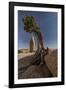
{"x": 48, "y": 26}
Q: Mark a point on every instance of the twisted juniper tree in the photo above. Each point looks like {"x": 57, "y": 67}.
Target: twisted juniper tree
{"x": 31, "y": 26}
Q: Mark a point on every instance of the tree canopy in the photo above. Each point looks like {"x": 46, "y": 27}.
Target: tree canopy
{"x": 30, "y": 24}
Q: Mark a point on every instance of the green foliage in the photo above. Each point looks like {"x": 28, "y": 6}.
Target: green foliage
{"x": 30, "y": 24}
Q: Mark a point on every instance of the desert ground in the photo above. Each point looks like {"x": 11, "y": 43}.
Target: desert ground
{"x": 49, "y": 69}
